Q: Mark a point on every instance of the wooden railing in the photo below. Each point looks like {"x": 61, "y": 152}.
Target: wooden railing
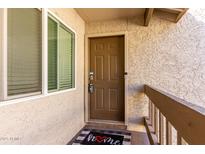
{"x": 172, "y": 120}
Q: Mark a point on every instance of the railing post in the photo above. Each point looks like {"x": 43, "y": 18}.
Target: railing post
{"x": 153, "y": 115}
{"x": 161, "y": 129}
{"x": 168, "y": 133}
{"x": 156, "y": 122}
{"x": 150, "y": 110}
{"x": 179, "y": 138}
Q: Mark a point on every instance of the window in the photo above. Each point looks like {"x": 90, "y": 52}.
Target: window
{"x": 52, "y": 54}
{"x": 60, "y": 56}
{"x": 23, "y": 56}
{"x": 24, "y": 39}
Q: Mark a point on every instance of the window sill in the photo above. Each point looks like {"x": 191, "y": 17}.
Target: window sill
{"x": 31, "y": 98}
{"x": 60, "y": 91}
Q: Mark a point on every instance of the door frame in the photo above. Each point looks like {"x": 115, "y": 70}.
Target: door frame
{"x": 87, "y": 66}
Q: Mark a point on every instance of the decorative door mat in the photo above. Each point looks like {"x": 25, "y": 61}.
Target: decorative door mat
{"x": 102, "y": 137}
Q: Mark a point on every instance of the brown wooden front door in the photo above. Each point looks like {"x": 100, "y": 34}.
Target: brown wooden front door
{"x": 107, "y": 65}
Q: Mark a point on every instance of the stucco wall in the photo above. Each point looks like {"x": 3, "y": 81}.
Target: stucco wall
{"x": 166, "y": 55}
{"x": 54, "y": 119}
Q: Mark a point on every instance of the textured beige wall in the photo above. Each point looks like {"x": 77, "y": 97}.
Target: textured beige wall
{"x": 165, "y": 55}
{"x": 54, "y": 119}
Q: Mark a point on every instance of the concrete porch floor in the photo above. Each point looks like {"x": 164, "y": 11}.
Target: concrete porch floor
{"x": 137, "y": 137}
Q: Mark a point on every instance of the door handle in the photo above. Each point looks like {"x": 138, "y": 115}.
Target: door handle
{"x": 91, "y": 88}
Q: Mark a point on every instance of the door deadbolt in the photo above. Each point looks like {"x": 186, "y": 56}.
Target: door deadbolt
{"x": 91, "y": 75}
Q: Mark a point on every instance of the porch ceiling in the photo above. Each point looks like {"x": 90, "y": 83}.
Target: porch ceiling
{"x": 99, "y": 14}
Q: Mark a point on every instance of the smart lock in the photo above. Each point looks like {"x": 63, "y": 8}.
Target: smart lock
{"x": 91, "y": 87}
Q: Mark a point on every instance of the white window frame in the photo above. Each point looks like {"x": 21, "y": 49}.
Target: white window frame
{"x": 59, "y": 22}
{"x": 1, "y": 49}
{"x": 5, "y": 63}
{"x": 4, "y": 98}
{"x": 4, "y": 55}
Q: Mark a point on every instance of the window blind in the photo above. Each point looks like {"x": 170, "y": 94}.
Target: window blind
{"x": 60, "y": 56}
{"x": 52, "y": 54}
{"x": 24, "y": 51}
{"x": 65, "y": 58}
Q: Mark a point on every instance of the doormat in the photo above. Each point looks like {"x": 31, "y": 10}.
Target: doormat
{"x": 95, "y": 138}
{"x": 102, "y": 137}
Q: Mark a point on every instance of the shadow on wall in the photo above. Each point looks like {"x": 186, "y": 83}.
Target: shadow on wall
{"x": 167, "y": 56}
{"x": 139, "y": 63}
{"x": 136, "y": 89}
{"x": 136, "y": 92}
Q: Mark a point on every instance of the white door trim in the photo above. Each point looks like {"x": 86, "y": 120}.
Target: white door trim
{"x": 87, "y": 37}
